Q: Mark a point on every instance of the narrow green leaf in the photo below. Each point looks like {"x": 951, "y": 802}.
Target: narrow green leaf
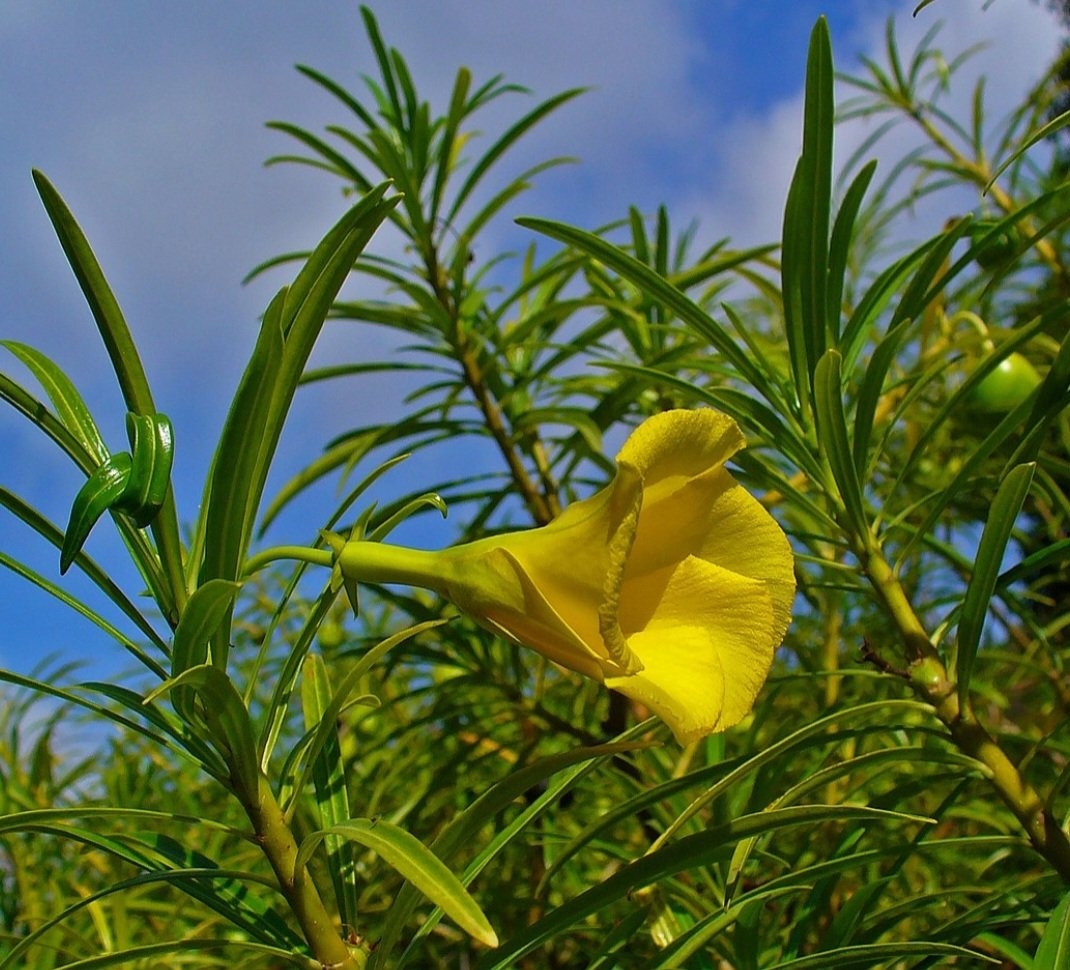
{"x": 188, "y": 742}
{"x": 101, "y": 491}
{"x": 933, "y": 275}
{"x": 177, "y": 948}
{"x": 37, "y": 412}
{"x": 801, "y": 739}
{"x": 254, "y": 424}
{"x": 871, "y": 305}
{"x": 819, "y": 119}
{"x": 1043, "y": 132}
{"x": 204, "y": 612}
{"x": 460, "y": 832}
{"x": 326, "y": 723}
{"x": 805, "y": 248}
{"x": 869, "y": 395}
{"x": 102, "y": 303}
{"x": 1002, "y": 516}
{"x": 228, "y": 507}
{"x": 51, "y": 533}
{"x": 840, "y": 246}
{"x": 513, "y": 134}
{"x": 685, "y": 947}
{"x": 1053, "y": 953}
{"x": 880, "y": 954}
{"x": 205, "y": 608}
{"x": 833, "y": 439}
{"x": 74, "y": 699}
{"x": 334, "y": 161}
{"x": 793, "y": 268}
{"x": 226, "y": 893}
{"x": 37, "y": 819}
{"x": 226, "y": 718}
{"x": 69, "y": 404}
{"x": 371, "y": 28}
{"x": 275, "y": 716}
{"x": 83, "y": 609}
{"x": 418, "y": 864}
{"x": 657, "y": 288}
{"x": 169, "y": 591}
{"x": 1049, "y": 556}
{"x": 328, "y": 776}
{"x": 691, "y": 852}
{"x": 450, "y": 144}
{"x": 339, "y": 92}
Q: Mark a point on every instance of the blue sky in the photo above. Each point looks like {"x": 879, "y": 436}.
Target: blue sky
{"x": 149, "y": 118}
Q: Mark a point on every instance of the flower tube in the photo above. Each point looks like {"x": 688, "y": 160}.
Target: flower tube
{"x": 672, "y": 585}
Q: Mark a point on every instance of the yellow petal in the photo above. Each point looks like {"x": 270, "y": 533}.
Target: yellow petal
{"x": 671, "y": 448}
{"x": 499, "y": 593}
{"x": 576, "y": 563}
{"x": 706, "y": 638}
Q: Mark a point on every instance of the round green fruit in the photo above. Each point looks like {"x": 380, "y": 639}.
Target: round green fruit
{"x": 997, "y": 249}
{"x": 331, "y": 635}
{"x": 1007, "y": 386}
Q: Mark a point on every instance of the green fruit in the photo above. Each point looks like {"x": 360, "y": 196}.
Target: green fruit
{"x": 995, "y": 251}
{"x": 1007, "y": 386}
{"x": 331, "y": 635}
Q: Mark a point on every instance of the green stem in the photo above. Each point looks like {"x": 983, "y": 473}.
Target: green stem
{"x": 377, "y": 562}
{"x": 318, "y": 557}
{"x": 930, "y": 679}
{"x": 276, "y": 841}
{"x": 542, "y": 505}
{"x": 169, "y": 548}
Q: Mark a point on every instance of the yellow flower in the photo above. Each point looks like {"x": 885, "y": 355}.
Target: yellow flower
{"x": 673, "y": 585}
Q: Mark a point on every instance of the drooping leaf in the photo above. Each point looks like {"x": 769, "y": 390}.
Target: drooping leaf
{"x": 418, "y": 864}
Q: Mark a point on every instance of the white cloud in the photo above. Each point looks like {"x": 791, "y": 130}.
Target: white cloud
{"x": 757, "y": 154}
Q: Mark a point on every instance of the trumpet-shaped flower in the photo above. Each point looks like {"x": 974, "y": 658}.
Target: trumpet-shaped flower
{"x": 673, "y": 585}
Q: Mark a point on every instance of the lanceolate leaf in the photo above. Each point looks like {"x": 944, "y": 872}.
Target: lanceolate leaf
{"x": 1054, "y": 950}
{"x": 658, "y": 288}
{"x": 833, "y": 440}
{"x": 457, "y": 835}
{"x": 882, "y": 954}
{"x": 805, "y": 251}
{"x": 101, "y": 491}
{"x": 105, "y": 583}
{"x": 201, "y": 618}
{"x": 69, "y": 404}
{"x": 254, "y": 424}
{"x": 226, "y": 718}
{"x": 105, "y": 308}
{"x": 693, "y": 851}
{"x": 1006, "y": 507}
{"x": 328, "y": 775}
{"x": 418, "y": 864}
{"x": 840, "y": 246}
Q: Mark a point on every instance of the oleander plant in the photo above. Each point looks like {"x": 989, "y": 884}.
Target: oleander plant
{"x": 778, "y": 682}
